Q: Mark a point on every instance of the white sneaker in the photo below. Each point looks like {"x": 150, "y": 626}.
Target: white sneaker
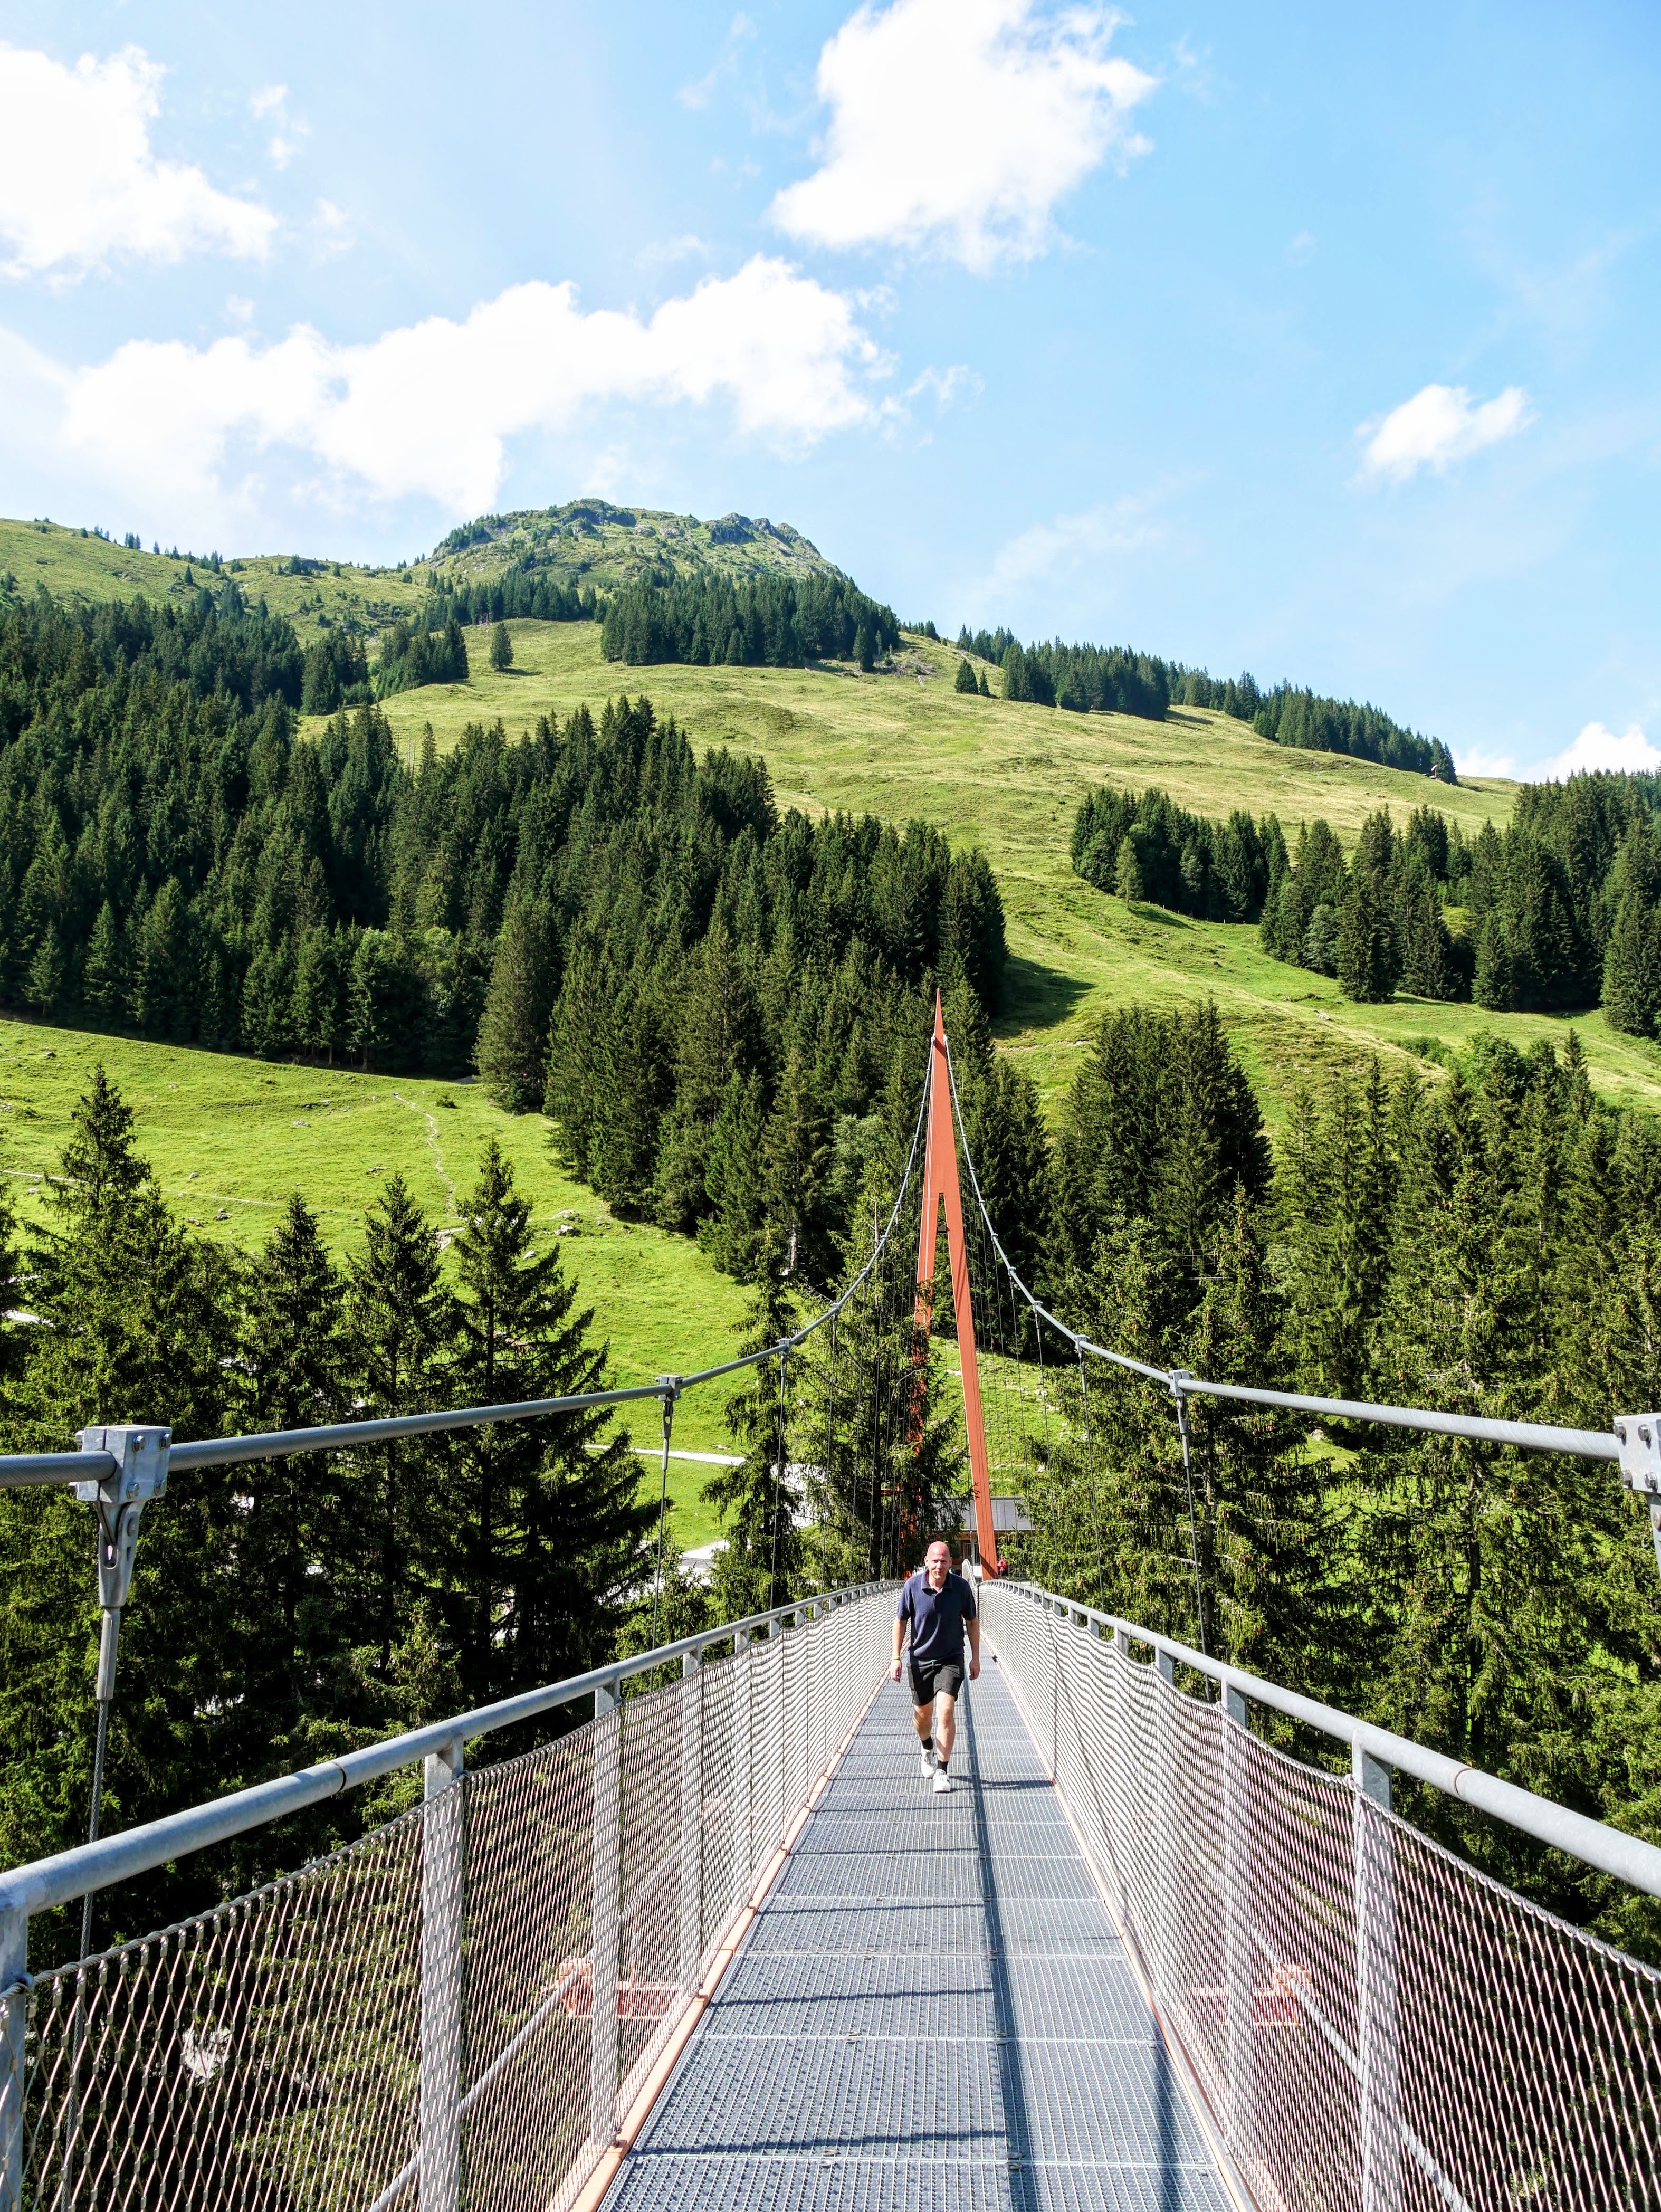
{"x": 927, "y": 1750}
{"x": 942, "y": 1780}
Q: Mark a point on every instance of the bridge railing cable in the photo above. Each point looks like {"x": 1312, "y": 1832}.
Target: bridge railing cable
{"x": 460, "y": 2007}
{"x": 1366, "y": 2020}
{"x": 1633, "y": 1442}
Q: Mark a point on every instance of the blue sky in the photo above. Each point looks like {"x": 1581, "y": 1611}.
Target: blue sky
{"x": 1321, "y": 342}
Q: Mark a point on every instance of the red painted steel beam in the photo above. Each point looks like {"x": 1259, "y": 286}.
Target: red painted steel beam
{"x": 940, "y": 1184}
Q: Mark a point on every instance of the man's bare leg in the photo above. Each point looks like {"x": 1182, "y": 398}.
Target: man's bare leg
{"x": 945, "y": 1725}
{"x": 924, "y": 1717}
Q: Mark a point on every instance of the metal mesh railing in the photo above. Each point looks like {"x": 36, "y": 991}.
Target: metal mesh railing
{"x": 460, "y": 2007}
{"x": 1369, "y": 2020}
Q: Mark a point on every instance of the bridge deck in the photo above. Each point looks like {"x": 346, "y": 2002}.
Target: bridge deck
{"x": 931, "y": 2010}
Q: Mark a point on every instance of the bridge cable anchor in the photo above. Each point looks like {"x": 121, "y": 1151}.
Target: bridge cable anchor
{"x": 1640, "y": 1438}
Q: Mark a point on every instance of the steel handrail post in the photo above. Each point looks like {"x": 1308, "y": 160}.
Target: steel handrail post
{"x": 606, "y": 1891}
{"x": 1376, "y": 2024}
{"x": 1164, "y": 1826}
{"x": 671, "y": 1391}
{"x": 691, "y": 1820}
{"x": 742, "y": 1818}
{"x": 443, "y": 1884}
{"x": 1120, "y": 1659}
{"x": 1233, "y": 1725}
{"x": 15, "y": 1986}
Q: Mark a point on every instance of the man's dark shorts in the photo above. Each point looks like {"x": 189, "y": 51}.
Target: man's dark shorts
{"x": 929, "y": 1683}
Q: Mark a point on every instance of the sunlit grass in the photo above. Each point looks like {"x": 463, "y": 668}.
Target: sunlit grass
{"x": 229, "y": 1138}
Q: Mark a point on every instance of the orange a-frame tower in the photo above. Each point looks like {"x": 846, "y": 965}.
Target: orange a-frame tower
{"x": 940, "y": 1181}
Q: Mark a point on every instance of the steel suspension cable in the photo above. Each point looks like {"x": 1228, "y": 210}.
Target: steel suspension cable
{"x": 1090, "y": 1466}
{"x": 1635, "y": 1451}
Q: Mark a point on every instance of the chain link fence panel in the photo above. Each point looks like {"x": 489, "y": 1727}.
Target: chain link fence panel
{"x": 1369, "y": 2021}
{"x": 458, "y": 2009}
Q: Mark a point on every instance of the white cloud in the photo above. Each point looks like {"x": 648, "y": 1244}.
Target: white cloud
{"x": 79, "y": 183}
{"x": 947, "y": 385}
{"x": 1070, "y": 541}
{"x": 271, "y": 101}
{"x": 425, "y": 411}
{"x": 1438, "y": 427}
{"x": 330, "y": 231}
{"x": 700, "y": 93}
{"x": 1594, "y": 748}
{"x": 1599, "y": 748}
{"x": 665, "y": 252}
{"x": 957, "y": 126}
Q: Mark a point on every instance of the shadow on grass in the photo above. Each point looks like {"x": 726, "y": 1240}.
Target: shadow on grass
{"x": 1144, "y": 910}
{"x": 1037, "y": 997}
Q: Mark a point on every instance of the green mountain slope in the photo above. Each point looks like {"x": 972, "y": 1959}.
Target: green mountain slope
{"x": 585, "y": 542}
{"x": 1009, "y": 778}
{"x": 901, "y": 742}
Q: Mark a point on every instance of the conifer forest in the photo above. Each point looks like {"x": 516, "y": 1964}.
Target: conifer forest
{"x": 719, "y": 1008}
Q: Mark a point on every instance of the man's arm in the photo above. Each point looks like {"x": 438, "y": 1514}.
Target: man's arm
{"x": 974, "y": 1628}
{"x": 900, "y": 1624}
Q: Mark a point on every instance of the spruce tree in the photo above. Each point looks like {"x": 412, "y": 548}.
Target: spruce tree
{"x": 1492, "y": 986}
{"x": 315, "y": 1011}
{"x": 104, "y": 973}
{"x": 1271, "y": 1572}
{"x": 164, "y": 970}
{"x": 501, "y": 649}
{"x": 549, "y": 1516}
{"x": 1366, "y": 940}
{"x": 400, "y": 1326}
{"x": 294, "y": 1646}
{"x": 965, "y": 677}
{"x": 513, "y": 1032}
{"x": 1632, "y": 968}
{"x": 48, "y": 972}
{"x": 101, "y": 1168}
{"x": 268, "y": 1000}
{"x": 1428, "y": 968}
{"x": 137, "y": 1324}
{"x": 794, "y": 1158}
{"x": 982, "y": 686}
{"x": 1127, "y": 872}
{"x": 760, "y": 1564}
{"x": 731, "y": 1233}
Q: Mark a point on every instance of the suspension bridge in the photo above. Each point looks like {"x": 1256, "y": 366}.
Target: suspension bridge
{"x": 712, "y": 1941}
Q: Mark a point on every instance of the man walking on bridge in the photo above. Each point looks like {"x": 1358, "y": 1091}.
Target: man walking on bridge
{"x": 937, "y": 1606}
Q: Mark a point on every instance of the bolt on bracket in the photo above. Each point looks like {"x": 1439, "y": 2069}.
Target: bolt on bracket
{"x": 1640, "y": 1438}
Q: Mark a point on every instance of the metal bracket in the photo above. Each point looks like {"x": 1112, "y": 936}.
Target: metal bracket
{"x": 672, "y": 1386}
{"x": 1639, "y": 1435}
{"x": 141, "y": 1474}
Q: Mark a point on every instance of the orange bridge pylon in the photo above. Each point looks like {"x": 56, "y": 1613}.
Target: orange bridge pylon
{"x": 940, "y": 1181}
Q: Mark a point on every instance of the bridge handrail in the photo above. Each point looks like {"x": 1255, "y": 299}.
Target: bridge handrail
{"x": 1594, "y": 1842}
{"x": 88, "y": 1868}
{"x": 1634, "y": 1441}
{"x": 20, "y": 1470}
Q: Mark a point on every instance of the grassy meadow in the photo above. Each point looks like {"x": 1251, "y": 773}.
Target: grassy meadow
{"x": 1009, "y": 778}
{"x": 229, "y": 1138}
{"x": 584, "y": 543}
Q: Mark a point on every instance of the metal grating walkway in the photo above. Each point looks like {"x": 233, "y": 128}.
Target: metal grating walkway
{"x": 931, "y": 2010}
